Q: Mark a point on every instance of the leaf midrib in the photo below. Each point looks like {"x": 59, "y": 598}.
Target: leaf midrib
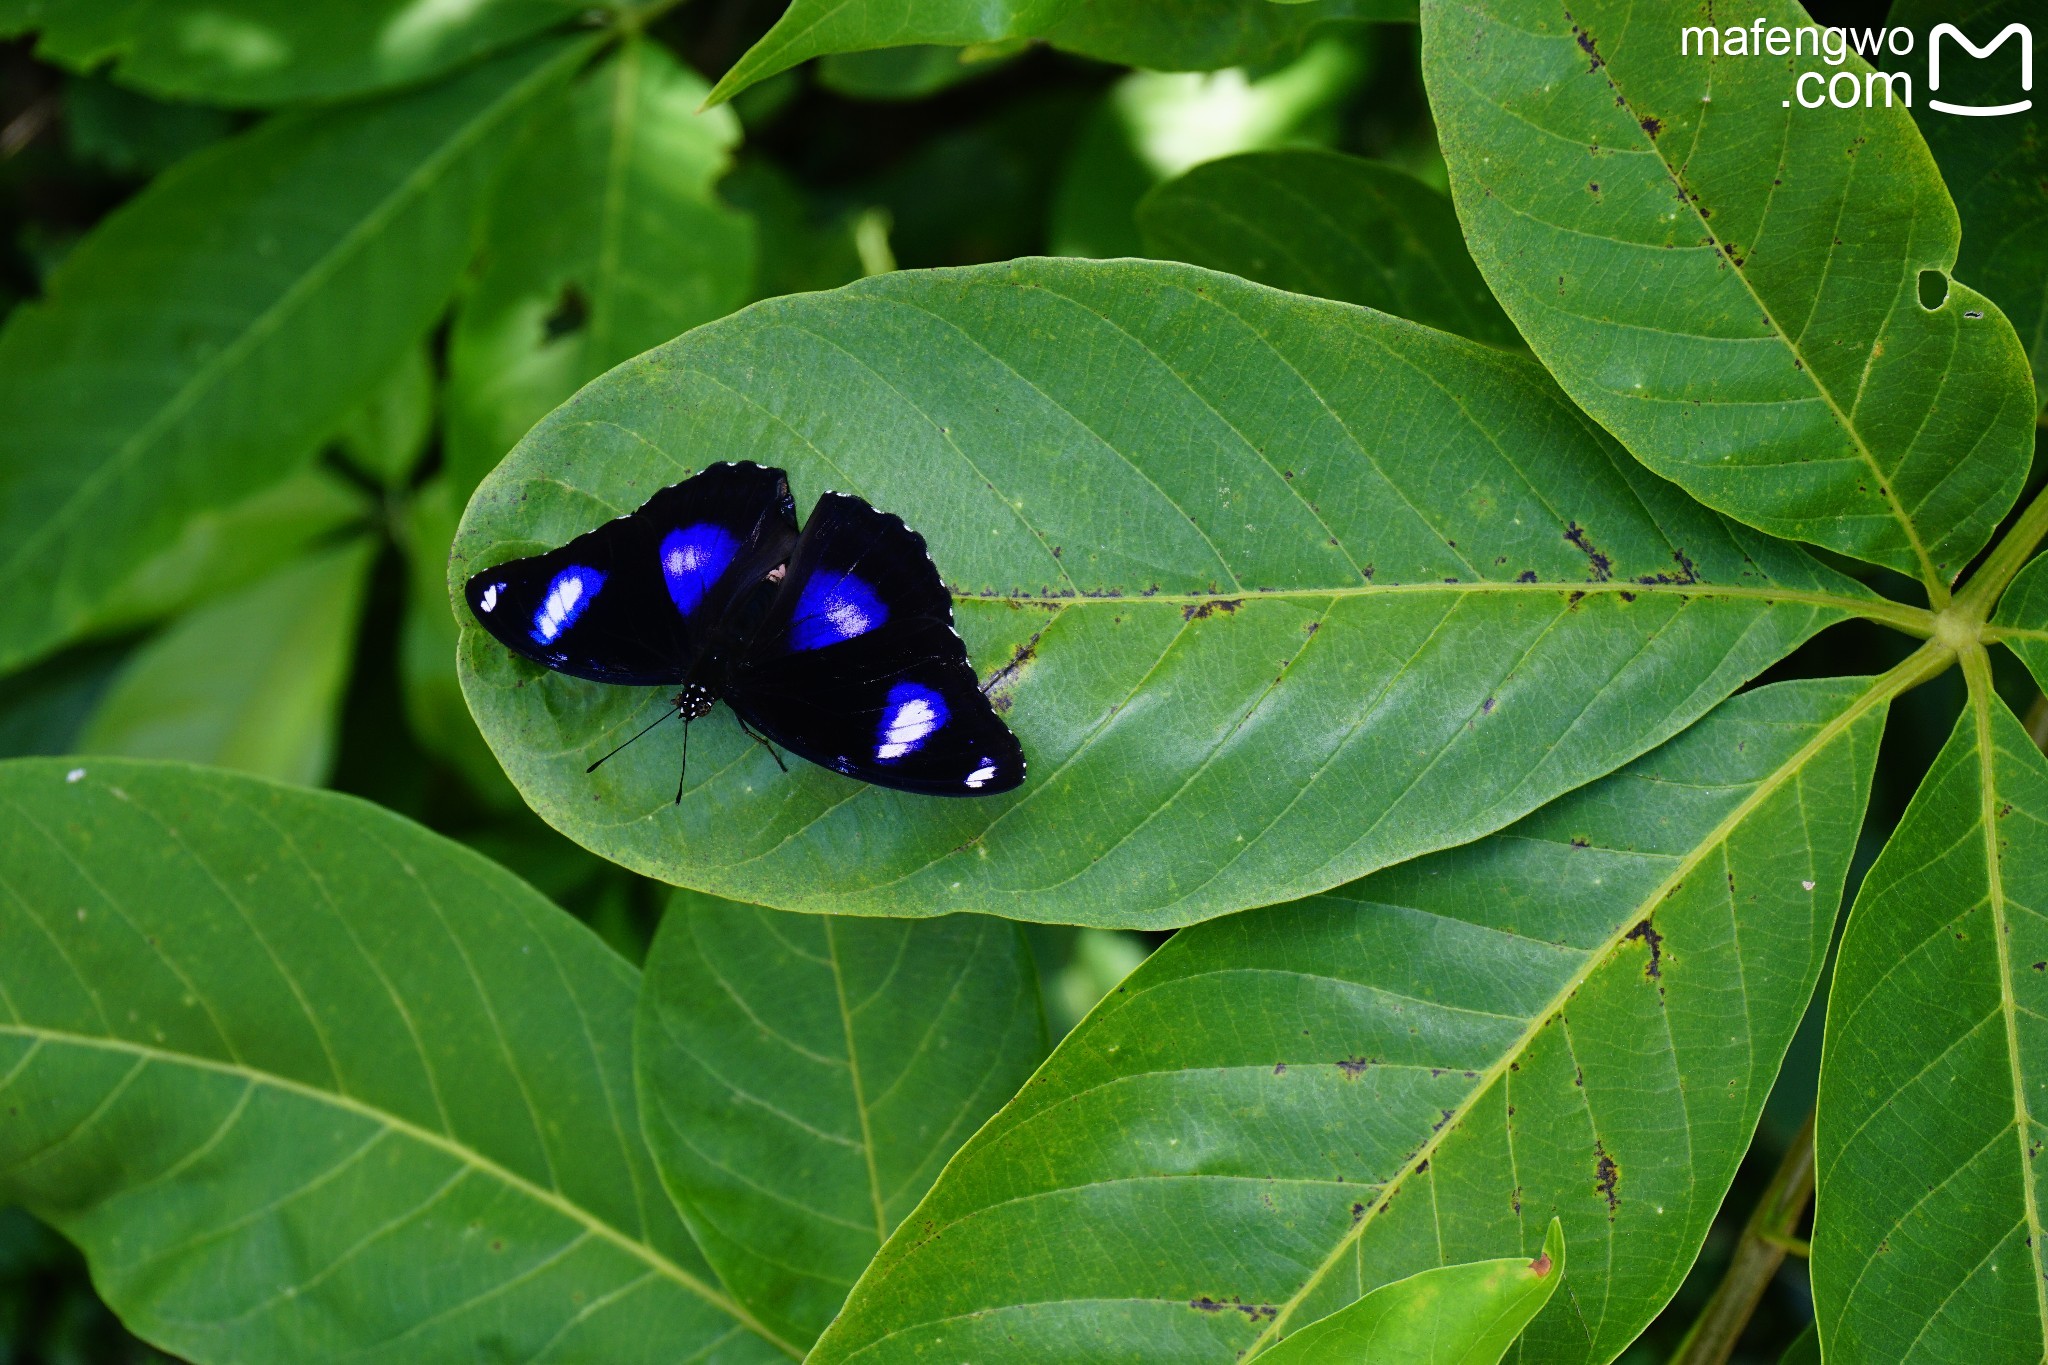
{"x": 1880, "y": 692}
{"x": 273, "y": 316}
{"x": 461, "y": 1152}
{"x": 1983, "y": 695}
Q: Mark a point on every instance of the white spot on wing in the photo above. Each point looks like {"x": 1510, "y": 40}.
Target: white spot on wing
{"x": 980, "y": 776}
{"x": 489, "y": 601}
{"x": 906, "y": 728}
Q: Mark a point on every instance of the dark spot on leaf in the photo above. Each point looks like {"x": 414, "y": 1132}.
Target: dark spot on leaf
{"x": 1580, "y": 842}
{"x": 1603, "y": 567}
{"x": 1607, "y": 1176}
{"x": 1486, "y": 707}
{"x": 1526, "y": 576}
{"x": 1279, "y": 1068}
{"x": 571, "y": 314}
{"x": 1205, "y": 1304}
{"x": 1653, "y": 126}
{"x": 1354, "y": 1067}
{"x": 1647, "y": 932}
{"x": 1196, "y": 611}
{"x": 1357, "y": 1213}
{"x": 1587, "y": 46}
{"x": 1973, "y": 313}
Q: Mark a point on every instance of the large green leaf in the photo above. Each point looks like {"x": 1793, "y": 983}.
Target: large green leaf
{"x": 308, "y": 1083}
{"x": 1928, "y": 1219}
{"x": 1274, "y": 591}
{"x": 1730, "y": 282}
{"x": 2022, "y": 620}
{"x": 1164, "y": 35}
{"x": 1338, "y": 227}
{"x": 1280, "y": 1111}
{"x": 804, "y": 1077}
{"x": 252, "y": 681}
{"x": 206, "y": 337}
{"x": 1452, "y": 1315}
{"x": 1997, "y": 168}
{"x": 604, "y": 238}
{"x": 271, "y": 51}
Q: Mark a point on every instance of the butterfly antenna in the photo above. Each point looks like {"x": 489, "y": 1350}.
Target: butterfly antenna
{"x": 686, "y": 761}
{"x": 666, "y": 715}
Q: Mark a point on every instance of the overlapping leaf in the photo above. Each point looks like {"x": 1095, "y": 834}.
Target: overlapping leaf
{"x": 1997, "y": 167}
{"x": 1163, "y": 35}
{"x": 206, "y": 337}
{"x": 1453, "y": 1315}
{"x": 1335, "y": 226}
{"x": 1732, "y": 283}
{"x": 242, "y": 52}
{"x": 2022, "y": 620}
{"x": 604, "y": 238}
{"x": 804, "y": 1077}
{"x": 1927, "y": 1239}
{"x": 1578, "y": 1018}
{"x": 1274, "y": 591}
{"x": 308, "y": 1083}
{"x": 252, "y": 681}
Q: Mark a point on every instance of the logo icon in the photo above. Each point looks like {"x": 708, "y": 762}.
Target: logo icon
{"x": 2026, "y": 38}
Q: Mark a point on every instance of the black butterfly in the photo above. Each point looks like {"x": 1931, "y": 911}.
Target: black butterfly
{"x": 836, "y": 642}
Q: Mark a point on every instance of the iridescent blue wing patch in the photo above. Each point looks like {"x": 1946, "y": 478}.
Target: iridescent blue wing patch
{"x": 856, "y": 665}
{"x": 637, "y": 600}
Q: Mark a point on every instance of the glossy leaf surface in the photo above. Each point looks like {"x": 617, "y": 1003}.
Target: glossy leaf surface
{"x": 1335, "y": 226}
{"x": 1730, "y": 282}
{"x": 1162, "y": 35}
{"x": 804, "y": 1077}
{"x": 210, "y": 334}
{"x": 259, "y": 52}
{"x": 309, "y": 1083}
{"x": 1578, "y": 1018}
{"x": 1453, "y": 1315}
{"x": 1274, "y": 591}
{"x": 1934, "y": 1079}
{"x": 252, "y": 681}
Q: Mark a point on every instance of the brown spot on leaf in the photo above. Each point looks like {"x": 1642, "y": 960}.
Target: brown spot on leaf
{"x": 1607, "y": 1176}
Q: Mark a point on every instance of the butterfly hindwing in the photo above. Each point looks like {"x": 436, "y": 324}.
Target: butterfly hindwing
{"x": 856, "y": 665}
{"x": 633, "y": 601}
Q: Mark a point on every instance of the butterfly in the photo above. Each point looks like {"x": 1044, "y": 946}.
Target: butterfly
{"x": 835, "y": 642}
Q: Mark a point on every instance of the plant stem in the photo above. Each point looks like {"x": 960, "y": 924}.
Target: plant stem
{"x": 1764, "y": 1245}
{"x": 1980, "y": 594}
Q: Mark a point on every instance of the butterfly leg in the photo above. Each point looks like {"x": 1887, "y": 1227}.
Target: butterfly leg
{"x": 761, "y": 740}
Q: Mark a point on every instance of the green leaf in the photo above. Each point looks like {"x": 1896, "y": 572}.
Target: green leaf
{"x": 605, "y": 238}
{"x": 251, "y": 681}
{"x": 1164, "y": 35}
{"x": 804, "y": 1077}
{"x": 1997, "y": 168}
{"x": 1153, "y": 125}
{"x": 1928, "y": 1219}
{"x": 261, "y": 52}
{"x": 219, "y": 549}
{"x": 1337, "y": 227}
{"x": 2022, "y": 620}
{"x": 910, "y": 73}
{"x": 1734, "y": 287}
{"x": 386, "y": 436}
{"x": 1280, "y": 1111}
{"x": 217, "y": 328}
{"x": 131, "y": 134}
{"x": 1274, "y": 591}
{"x": 1453, "y": 1315}
{"x": 309, "y": 1083}
{"x": 1804, "y": 1351}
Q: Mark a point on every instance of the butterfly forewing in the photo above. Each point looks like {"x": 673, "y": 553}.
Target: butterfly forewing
{"x": 636, "y": 600}
{"x": 856, "y": 665}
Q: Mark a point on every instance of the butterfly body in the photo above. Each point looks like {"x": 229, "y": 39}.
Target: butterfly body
{"x": 835, "y": 641}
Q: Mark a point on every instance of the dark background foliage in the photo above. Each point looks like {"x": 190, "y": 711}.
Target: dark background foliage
{"x": 1007, "y": 162}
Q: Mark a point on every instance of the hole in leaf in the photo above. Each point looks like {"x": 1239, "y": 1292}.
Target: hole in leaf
{"x": 572, "y": 312}
{"x": 1933, "y": 289}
